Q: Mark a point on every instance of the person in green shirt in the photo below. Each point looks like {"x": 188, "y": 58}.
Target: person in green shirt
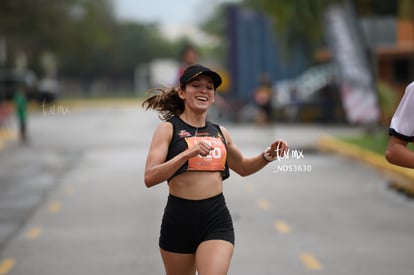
{"x": 20, "y": 102}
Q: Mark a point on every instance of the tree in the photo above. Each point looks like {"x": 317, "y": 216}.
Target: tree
{"x": 137, "y": 43}
{"x": 30, "y": 25}
{"x": 217, "y": 27}
{"x": 83, "y": 35}
{"x": 73, "y": 30}
{"x": 88, "y": 37}
{"x": 406, "y": 9}
{"x": 297, "y": 22}
{"x": 301, "y": 21}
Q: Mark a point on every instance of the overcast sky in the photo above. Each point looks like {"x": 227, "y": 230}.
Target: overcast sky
{"x": 176, "y": 17}
{"x": 162, "y": 11}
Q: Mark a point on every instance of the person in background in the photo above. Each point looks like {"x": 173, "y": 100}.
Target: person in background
{"x": 194, "y": 156}
{"x": 20, "y": 103}
{"x": 401, "y": 131}
{"x": 328, "y": 95}
{"x": 263, "y": 99}
{"x": 188, "y": 56}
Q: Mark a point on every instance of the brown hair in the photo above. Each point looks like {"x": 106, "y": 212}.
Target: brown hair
{"x": 166, "y": 101}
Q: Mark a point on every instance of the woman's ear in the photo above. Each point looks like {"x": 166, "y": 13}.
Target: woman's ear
{"x": 181, "y": 93}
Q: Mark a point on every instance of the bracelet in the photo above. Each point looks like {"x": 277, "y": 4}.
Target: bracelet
{"x": 267, "y": 156}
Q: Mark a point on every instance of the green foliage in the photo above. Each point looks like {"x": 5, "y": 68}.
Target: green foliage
{"x": 387, "y": 100}
{"x": 301, "y": 21}
{"x": 377, "y": 7}
{"x": 83, "y": 35}
{"x": 139, "y": 43}
{"x": 373, "y": 142}
{"x": 86, "y": 38}
{"x": 216, "y": 26}
{"x": 376, "y": 142}
{"x": 32, "y": 25}
{"x": 406, "y": 9}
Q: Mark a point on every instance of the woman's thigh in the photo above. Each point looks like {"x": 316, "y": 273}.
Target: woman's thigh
{"x": 213, "y": 257}
{"x": 178, "y": 263}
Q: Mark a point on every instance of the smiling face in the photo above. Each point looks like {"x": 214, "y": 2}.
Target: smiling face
{"x": 198, "y": 94}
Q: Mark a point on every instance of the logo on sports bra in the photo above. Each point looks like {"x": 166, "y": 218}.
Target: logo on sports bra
{"x": 184, "y": 134}
{"x": 214, "y": 161}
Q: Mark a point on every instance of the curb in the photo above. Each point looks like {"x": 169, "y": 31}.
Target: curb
{"x": 402, "y": 179}
{"x": 6, "y": 134}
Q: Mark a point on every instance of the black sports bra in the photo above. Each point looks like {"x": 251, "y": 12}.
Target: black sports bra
{"x": 185, "y": 135}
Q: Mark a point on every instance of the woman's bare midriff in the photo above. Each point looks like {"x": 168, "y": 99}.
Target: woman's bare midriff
{"x": 196, "y": 185}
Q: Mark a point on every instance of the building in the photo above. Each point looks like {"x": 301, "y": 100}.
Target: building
{"x": 392, "y": 44}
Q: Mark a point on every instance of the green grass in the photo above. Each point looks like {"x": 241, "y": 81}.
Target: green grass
{"x": 373, "y": 142}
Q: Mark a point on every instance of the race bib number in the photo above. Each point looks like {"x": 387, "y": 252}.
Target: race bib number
{"x": 214, "y": 161}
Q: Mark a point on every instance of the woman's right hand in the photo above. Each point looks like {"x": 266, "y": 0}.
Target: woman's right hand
{"x": 201, "y": 148}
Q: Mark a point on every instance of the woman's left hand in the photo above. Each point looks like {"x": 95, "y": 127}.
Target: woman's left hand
{"x": 278, "y": 149}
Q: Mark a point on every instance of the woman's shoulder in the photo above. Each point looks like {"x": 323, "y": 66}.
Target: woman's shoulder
{"x": 225, "y": 133}
{"x": 164, "y": 128}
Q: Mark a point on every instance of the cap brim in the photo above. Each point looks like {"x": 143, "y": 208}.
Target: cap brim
{"x": 214, "y": 76}
{"x": 194, "y": 71}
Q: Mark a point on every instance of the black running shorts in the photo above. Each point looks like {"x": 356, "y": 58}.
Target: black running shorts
{"x": 188, "y": 223}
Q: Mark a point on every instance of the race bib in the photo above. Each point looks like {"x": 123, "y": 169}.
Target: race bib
{"x": 214, "y": 161}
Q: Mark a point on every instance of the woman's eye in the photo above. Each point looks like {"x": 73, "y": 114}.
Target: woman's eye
{"x": 196, "y": 84}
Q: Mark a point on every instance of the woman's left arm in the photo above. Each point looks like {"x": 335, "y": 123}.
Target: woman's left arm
{"x": 245, "y": 166}
{"x": 398, "y": 153}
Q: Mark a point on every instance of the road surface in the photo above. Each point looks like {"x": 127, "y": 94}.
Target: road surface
{"x": 73, "y": 201}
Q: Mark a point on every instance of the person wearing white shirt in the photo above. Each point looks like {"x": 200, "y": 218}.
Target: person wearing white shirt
{"x": 401, "y": 131}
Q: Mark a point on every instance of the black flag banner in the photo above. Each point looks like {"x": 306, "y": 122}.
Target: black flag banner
{"x": 350, "y": 52}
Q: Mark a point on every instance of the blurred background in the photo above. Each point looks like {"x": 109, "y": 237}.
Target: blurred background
{"x": 323, "y": 60}
{"x": 325, "y": 75}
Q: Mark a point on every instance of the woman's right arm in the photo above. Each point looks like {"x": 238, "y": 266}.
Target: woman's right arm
{"x": 157, "y": 169}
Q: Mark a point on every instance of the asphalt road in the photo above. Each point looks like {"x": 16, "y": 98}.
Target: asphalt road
{"x": 73, "y": 202}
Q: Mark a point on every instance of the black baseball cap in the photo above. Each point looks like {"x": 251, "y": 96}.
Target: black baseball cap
{"x": 195, "y": 70}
